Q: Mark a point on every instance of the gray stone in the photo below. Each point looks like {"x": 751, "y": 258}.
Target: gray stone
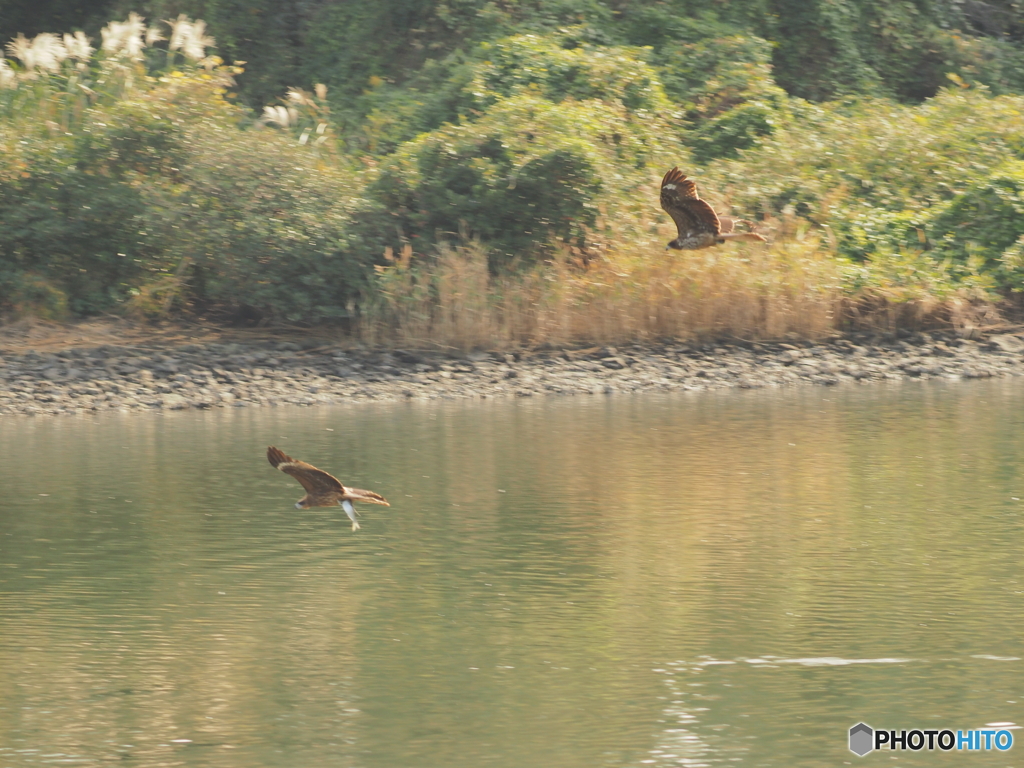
{"x": 174, "y": 402}
{"x": 1007, "y": 343}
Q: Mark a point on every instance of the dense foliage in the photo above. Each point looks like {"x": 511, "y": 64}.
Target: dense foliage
{"x": 119, "y": 189}
{"x": 546, "y": 137}
{"x": 136, "y": 178}
{"x": 820, "y": 48}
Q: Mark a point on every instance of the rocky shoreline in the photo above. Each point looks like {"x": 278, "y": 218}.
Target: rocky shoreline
{"x": 217, "y": 375}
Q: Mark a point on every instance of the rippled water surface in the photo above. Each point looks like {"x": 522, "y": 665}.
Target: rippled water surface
{"x": 610, "y": 581}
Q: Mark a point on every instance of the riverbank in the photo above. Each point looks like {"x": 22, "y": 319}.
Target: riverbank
{"x": 173, "y": 375}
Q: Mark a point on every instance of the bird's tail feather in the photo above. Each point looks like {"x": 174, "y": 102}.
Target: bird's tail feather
{"x": 368, "y": 497}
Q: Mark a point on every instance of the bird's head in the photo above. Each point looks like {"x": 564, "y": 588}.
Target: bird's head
{"x": 301, "y": 504}
{"x": 674, "y": 244}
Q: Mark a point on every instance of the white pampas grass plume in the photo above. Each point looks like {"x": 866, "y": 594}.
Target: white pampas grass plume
{"x": 111, "y": 35}
{"x": 189, "y": 37}
{"x": 279, "y": 115}
{"x": 153, "y": 36}
{"x": 77, "y": 46}
{"x": 50, "y": 51}
{"x": 180, "y": 29}
{"x": 7, "y": 77}
{"x": 21, "y": 49}
{"x": 198, "y": 41}
{"x": 125, "y": 37}
{"x": 44, "y": 53}
{"x": 134, "y": 40}
{"x": 321, "y": 91}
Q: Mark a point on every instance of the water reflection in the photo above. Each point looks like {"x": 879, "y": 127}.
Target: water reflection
{"x": 678, "y": 580}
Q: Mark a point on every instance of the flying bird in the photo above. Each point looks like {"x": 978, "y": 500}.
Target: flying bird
{"x": 322, "y": 489}
{"x": 697, "y": 222}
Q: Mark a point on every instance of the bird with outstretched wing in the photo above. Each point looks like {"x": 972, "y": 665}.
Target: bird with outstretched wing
{"x": 322, "y": 489}
{"x": 696, "y": 221}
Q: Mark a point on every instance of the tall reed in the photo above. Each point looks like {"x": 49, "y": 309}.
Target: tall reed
{"x": 633, "y": 292}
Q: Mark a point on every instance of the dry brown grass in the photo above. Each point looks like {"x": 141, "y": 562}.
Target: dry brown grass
{"x": 634, "y": 292}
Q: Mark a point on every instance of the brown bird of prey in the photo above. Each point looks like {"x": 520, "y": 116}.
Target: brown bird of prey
{"x": 322, "y": 489}
{"x": 697, "y": 222}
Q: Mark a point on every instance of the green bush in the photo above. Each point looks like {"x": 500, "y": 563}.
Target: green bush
{"x": 556, "y": 73}
{"x": 465, "y": 87}
{"x": 1011, "y": 266}
{"x": 726, "y": 90}
{"x": 29, "y": 295}
{"x": 268, "y": 226}
{"x": 386, "y": 115}
{"x": 984, "y": 220}
{"x": 738, "y": 128}
{"x": 711, "y": 76}
{"x": 875, "y": 166}
{"x": 67, "y": 219}
{"x": 527, "y": 173}
{"x": 928, "y": 196}
{"x": 162, "y": 192}
{"x": 995, "y": 63}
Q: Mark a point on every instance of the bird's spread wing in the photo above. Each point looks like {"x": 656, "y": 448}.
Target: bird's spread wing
{"x": 312, "y": 479}
{"x": 358, "y": 494}
{"x": 680, "y": 201}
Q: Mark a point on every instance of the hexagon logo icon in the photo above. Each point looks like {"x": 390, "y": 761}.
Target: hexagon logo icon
{"x": 862, "y": 738}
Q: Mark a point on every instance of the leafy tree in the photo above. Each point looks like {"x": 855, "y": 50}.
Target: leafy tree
{"x": 821, "y": 49}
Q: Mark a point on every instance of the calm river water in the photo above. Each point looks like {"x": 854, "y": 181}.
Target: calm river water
{"x": 679, "y": 580}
